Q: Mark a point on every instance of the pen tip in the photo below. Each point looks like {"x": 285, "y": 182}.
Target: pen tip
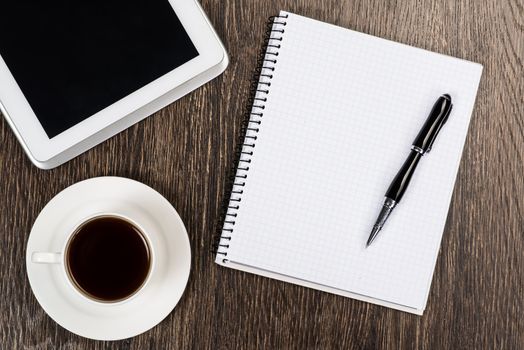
{"x": 447, "y": 97}
{"x": 373, "y": 235}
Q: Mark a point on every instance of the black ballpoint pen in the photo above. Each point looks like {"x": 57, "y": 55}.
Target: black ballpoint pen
{"x": 422, "y": 145}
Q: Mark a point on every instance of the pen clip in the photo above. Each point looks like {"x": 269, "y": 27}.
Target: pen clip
{"x": 439, "y": 126}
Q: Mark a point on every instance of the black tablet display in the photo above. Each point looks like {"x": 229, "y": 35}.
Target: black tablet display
{"x": 72, "y": 59}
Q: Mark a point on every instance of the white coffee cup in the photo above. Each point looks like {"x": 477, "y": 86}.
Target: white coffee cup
{"x": 60, "y": 258}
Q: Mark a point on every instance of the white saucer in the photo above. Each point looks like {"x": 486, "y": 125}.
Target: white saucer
{"x": 168, "y": 237}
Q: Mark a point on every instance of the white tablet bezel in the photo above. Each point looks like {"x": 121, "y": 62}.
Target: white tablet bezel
{"x": 31, "y": 133}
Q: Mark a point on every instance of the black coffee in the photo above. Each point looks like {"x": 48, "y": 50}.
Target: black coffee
{"x": 108, "y": 258}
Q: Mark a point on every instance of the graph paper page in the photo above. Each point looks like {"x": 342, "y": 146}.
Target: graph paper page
{"x": 342, "y": 111}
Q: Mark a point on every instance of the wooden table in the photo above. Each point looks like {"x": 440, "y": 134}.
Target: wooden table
{"x": 186, "y": 150}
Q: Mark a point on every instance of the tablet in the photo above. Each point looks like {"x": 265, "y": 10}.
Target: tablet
{"x": 74, "y": 74}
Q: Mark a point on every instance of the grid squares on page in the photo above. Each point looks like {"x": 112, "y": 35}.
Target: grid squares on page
{"x": 342, "y": 112}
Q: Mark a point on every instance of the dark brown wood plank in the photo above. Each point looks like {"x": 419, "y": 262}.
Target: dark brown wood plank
{"x": 185, "y": 151}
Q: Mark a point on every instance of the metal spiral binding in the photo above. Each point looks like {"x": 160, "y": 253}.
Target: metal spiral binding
{"x": 251, "y": 125}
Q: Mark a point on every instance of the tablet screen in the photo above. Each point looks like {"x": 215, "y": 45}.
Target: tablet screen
{"x": 72, "y": 59}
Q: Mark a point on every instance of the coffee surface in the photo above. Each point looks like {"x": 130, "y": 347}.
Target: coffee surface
{"x": 108, "y": 259}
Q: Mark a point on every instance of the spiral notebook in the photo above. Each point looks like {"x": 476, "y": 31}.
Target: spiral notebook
{"x": 332, "y": 122}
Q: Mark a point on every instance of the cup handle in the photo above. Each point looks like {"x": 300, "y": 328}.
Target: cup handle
{"x": 46, "y": 258}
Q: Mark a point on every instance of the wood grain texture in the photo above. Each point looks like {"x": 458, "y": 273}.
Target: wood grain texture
{"x": 185, "y": 152}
